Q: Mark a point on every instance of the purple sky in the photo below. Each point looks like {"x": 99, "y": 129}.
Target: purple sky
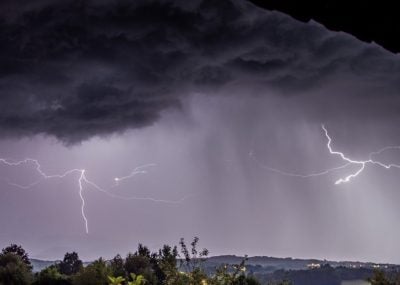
{"x": 194, "y": 89}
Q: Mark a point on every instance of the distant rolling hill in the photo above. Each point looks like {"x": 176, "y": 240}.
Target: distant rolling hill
{"x": 39, "y": 265}
{"x": 300, "y": 271}
{"x": 267, "y": 263}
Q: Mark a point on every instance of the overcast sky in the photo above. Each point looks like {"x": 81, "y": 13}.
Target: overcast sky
{"x": 216, "y": 94}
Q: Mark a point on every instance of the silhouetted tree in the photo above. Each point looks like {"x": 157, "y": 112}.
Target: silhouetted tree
{"x": 51, "y": 276}
{"x": 71, "y": 264}
{"x": 136, "y": 263}
{"x": 139, "y": 264}
{"x": 18, "y": 250}
{"x": 143, "y": 251}
{"x": 141, "y": 267}
{"x": 95, "y": 273}
{"x": 192, "y": 261}
{"x": 379, "y": 278}
{"x": 117, "y": 266}
{"x": 165, "y": 263}
{"x": 13, "y": 270}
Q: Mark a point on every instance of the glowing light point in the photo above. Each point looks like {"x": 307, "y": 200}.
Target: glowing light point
{"x": 138, "y": 170}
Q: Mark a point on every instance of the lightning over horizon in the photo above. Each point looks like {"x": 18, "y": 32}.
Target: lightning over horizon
{"x": 361, "y": 163}
{"x": 81, "y": 180}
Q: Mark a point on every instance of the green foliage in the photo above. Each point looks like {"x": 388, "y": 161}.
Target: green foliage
{"x": 116, "y": 280}
{"x": 51, "y": 276}
{"x": 139, "y": 268}
{"x": 140, "y": 263}
{"x": 13, "y": 270}
{"x": 137, "y": 279}
{"x": 71, "y": 264}
{"x": 192, "y": 259}
{"x": 233, "y": 275}
{"x": 166, "y": 263}
{"x": 95, "y": 273}
{"x": 137, "y": 264}
{"x": 117, "y": 266}
{"x": 18, "y": 250}
{"x": 379, "y": 278}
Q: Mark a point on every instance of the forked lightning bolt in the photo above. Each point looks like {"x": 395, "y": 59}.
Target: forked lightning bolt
{"x": 138, "y": 170}
{"x": 361, "y": 163}
{"x": 81, "y": 181}
{"x": 348, "y": 161}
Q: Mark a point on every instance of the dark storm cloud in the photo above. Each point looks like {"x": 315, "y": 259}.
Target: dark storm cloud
{"x": 78, "y": 69}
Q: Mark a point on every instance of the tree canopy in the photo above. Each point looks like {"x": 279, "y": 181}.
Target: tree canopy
{"x": 18, "y": 250}
{"x": 71, "y": 264}
{"x": 167, "y": 266}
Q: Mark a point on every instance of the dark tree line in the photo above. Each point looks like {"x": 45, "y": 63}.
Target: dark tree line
{"x": 167, "y": 266}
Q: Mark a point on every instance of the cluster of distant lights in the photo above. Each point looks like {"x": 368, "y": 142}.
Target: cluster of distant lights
{"x": 83, "y": 180}
{"x": 362, "y": 164}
